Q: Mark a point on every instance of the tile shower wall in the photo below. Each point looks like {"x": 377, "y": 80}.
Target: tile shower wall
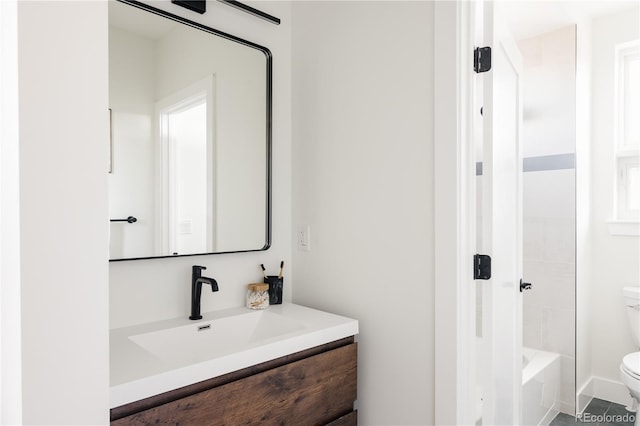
{"x": 549, "y": 263}
{"x": 549, "y": 200}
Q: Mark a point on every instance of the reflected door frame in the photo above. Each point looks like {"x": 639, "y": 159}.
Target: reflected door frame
{"x": 166, "y": 191}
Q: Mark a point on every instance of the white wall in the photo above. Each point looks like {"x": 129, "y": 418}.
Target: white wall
{"x": 615, "y": 258}
{"x": 363, "y": 181}
{"x": 63, "y": 131}
{"x": 149, "y": 290}
{"x": 132, "y": 102}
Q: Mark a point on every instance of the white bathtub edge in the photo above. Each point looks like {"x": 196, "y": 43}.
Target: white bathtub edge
{"x": 538, "y": 361}
{"x": 540, "y": 387}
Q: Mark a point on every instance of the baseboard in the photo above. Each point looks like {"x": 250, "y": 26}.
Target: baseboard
{"x": 568, "y": 408}
{"x": 601, "y": 388}
{"x": 548, "y": 418}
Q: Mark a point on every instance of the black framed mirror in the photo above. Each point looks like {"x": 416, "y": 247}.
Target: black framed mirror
{"x": 190, "y": 111}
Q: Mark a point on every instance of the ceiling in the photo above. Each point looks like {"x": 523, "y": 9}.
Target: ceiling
{"x": 138, "y": 21}
{"x": 527, "y": 18}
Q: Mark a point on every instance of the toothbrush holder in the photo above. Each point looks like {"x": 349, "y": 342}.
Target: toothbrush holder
{"x": 275, "y": 289}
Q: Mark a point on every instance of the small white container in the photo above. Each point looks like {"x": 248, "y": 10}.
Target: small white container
{"x": 258, "y": 296}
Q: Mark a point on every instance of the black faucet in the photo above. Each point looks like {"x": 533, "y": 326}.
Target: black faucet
{"x": 196, "y": 289}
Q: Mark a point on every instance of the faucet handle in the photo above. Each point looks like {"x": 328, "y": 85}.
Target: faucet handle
{"x": 197, "y": 269}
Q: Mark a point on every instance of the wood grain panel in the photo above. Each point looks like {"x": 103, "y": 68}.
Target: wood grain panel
{"x": 173, "y": 395}
{"x": 350, "y": 419}
{"x": 313, "y": 391}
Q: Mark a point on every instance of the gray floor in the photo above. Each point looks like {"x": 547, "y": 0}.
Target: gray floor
{"x": 600, "y": 413}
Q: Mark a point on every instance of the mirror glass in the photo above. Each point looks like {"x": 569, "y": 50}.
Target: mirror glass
{"x": 190, "y": 137}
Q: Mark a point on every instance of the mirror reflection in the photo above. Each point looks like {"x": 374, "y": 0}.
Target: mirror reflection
{"x": 190, "y": 143}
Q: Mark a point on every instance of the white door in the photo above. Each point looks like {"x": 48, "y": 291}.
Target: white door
{"x": 502, "y": 225}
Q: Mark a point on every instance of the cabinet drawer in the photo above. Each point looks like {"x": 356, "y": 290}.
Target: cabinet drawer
{"x": 316, "y": 390}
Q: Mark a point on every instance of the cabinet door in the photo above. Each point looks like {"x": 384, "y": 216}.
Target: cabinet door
{"x": 313, "y": 391}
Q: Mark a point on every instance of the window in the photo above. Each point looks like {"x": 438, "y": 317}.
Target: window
{"x": 627, "y": 204}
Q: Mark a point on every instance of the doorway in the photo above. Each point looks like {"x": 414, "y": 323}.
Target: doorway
{"x": 186, "y": 193}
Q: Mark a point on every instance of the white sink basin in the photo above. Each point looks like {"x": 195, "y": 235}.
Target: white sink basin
{"x": 150, "y": 359}
{"x": 203, "y": 340}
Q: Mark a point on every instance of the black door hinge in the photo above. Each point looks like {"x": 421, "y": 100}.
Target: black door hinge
{"x": 482, "y": 59}
{"x": 481, "y": 267}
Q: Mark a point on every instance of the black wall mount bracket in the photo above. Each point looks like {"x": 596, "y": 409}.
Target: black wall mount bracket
{"x": 199, "y": 6}
{"x": 252, "y": 11}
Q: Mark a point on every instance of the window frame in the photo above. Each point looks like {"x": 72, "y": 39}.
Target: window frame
{"x": 627, "y": 155}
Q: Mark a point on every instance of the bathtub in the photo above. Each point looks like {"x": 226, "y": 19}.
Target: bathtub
{"x": 540, "y": 387}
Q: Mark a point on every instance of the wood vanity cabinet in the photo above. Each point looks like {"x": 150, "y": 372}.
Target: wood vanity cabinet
{"x": 313, "y": 387}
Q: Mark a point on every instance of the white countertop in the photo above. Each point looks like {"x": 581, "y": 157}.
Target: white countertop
{"x": 138, "y": 373}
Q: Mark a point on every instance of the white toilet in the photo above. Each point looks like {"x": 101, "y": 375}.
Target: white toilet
{"x": 630, "y": 367}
